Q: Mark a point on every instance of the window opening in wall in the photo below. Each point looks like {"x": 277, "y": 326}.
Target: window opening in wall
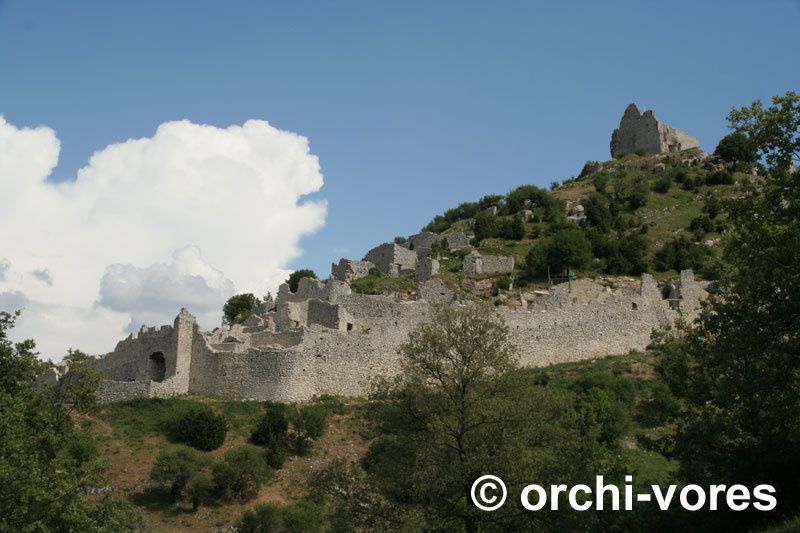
{"x": 158, "y": 367}
{"x": 634, "y": 306}
{"x": 349, "y": 326}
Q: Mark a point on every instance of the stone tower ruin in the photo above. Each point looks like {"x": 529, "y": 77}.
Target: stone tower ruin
{"x": 643, "y": 132}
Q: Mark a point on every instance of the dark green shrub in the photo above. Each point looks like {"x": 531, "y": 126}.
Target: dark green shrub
{"x": 569, "y": 248}
{"x": 175, "y": 468}
{"x": 487, "y": 226}
{"x": 536, "y": 261}
{"x": 600, "y": 181}
{"x": 712, "y": 205}
{"x": 305, "y": 516}
{"x": 239, "y": 307}
{"x": 199, "y": 490}
{"x": 736, "y": 148}
{"x": 504, "y": 283}
{"x": 720, "y": 177}
{"x": 294, "y": 278}
{"x": 311, "y": 420}
{"x": 241, "y": 473}
{"x": 271, "y": 429}
{"x": 659, "y": 406}
{"x": 199, "y": 426}
{"x": 605, "y": 414}
{"x": 598, "y": 211}
{"x": 513, "y": 229}
{"x": 334, "y": 404}
{"x": 701, "y": 225}
{"x": 271, "y": 432}
{"x": 662, "y": 184}
{"x": 681, "y": 253}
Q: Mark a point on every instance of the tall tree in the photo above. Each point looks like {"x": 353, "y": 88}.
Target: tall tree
{"x": 459, "y": 412}
{"x": 46, "y": 463}
{"x": 738, "y": 368}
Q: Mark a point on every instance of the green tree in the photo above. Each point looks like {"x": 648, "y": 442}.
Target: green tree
{"x": 513, "y": 228}
{"x": 294, "y": 278}
{"x": 569, "y": 248}
{"x": 737, "y": 148}
{"x": 737, "y": 369}
{"x": 271, "y": 432}
{"x": 239, "y": 307}
{"x": 305, "y": 516}
{"x": 774, "y": 129}
{"x": 199, "y": 489}
{"x": 487, "y": 226}
{"x": 199, "y": 426}
{"x": 240, "y": 475}
{"x": 598, "y": 212}
{"x": 174, "y": 469}
{"x": 460, "y": 411}
{"x": 680, "y": 253}
{"x": 47, "y": 463}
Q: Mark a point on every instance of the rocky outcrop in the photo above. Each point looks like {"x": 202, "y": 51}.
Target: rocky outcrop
{"x": 643, "y": 132}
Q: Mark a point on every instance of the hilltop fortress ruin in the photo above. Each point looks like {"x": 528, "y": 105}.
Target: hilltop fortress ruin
{"x": 326, "y": 338}
{"x": 643, "y": 133}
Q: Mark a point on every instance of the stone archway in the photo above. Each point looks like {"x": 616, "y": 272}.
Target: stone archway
{"x": 157, "y": 366}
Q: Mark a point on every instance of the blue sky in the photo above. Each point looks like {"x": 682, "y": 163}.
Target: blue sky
{"x": 411, "y": 107}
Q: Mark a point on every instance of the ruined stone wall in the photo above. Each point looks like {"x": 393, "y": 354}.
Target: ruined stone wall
{"x": 392, "y": 258}
{"x": 423, "y": 242}
{"x": 308, "y": 288}
{"x": 435, "y": 290}
{"x": 456, "y": 240}
{"x": 332, "y": 316}
{"x": 349, "y": 269}
{"x": 427, "y": 267}
{"x": 568, "y": 323}
{"x": 475, "y": 263}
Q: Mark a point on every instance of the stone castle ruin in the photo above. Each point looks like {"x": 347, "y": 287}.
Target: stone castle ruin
{"x": 644, "y": 133}
{"x": 327, "y": 339}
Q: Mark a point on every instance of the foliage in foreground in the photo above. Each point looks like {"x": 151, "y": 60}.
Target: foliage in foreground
{"x": 47, "y": 463}
{"x": 737, "y": 368}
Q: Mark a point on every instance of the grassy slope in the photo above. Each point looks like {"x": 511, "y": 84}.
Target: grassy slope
{"x": 131, "y": 440}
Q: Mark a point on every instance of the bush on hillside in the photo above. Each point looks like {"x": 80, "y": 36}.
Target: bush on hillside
{"x": 569, "y": 248}
{"x": 198, "y": 426}
{"x": 663, "y": 184}
{"x": 271, "y": 432}
{"x": 303, "y": 516}
{"x": 175, "y": 468}
{"x": 737, "y": 148}
{"x": 242, "y": 472}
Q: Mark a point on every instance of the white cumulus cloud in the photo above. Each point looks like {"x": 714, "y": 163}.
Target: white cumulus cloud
{"x": 151, "y": 292}
{"x": 183, "y": 218}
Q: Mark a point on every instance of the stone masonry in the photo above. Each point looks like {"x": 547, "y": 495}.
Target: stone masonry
{"x": 427, "y": 267}
{"x": 643, "y": 132}
{"x": 392, "y": 258}
{"x": 325, "y": 339}
{"x": 475, "y": 263}
{"x": 349, "y": 269}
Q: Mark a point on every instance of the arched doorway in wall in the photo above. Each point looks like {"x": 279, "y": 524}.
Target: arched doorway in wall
{"x": 157, "y": 366}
